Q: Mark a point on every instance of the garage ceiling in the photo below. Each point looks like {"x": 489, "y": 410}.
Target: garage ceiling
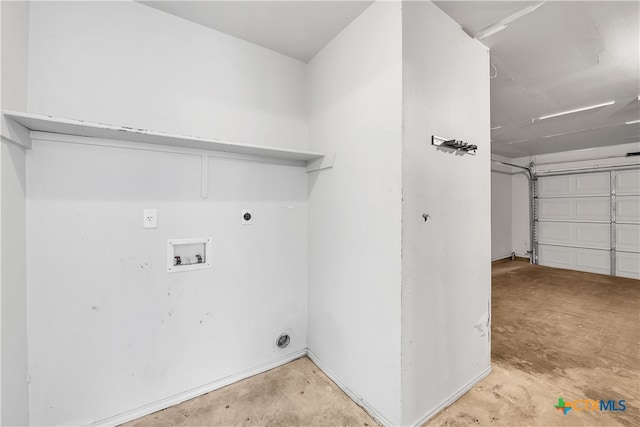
{"x": 547, "y": 58}
{"x": 560, "y": 56}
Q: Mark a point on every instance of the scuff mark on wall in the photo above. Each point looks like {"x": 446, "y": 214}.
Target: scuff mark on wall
{"x": 482, "y": 328}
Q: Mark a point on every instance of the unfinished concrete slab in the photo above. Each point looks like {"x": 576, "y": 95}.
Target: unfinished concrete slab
{"x": 295, "y": 394}
{"x": 556, "y": 333}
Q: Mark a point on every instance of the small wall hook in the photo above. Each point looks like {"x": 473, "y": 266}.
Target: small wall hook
{"x": 426, "y": 217}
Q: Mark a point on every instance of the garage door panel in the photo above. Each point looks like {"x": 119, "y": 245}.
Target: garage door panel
{"x": 593, "y": 184}
{"x": 628, "y": 265}
{"x": 554, "y": 186}
{"x": 581, "y": 259}
{"x": 594, "y": 261}
{"x": 555, "y": 208}
{"x": 593, "y": 235}
{"x": 554, "y": 256}
{"x": 628, "y": 237}
{"x": 574, "y": 209}
{"x": 574, "y": 185}
{"x": 628, "y": 182}
{"x": 628, "y": 209}
{"x": 575, "y": 234}
{"x": 554, "y": 232}
{"x": 593, "y": 208}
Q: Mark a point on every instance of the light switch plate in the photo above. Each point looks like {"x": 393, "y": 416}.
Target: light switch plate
{"x": 149, "y": 218}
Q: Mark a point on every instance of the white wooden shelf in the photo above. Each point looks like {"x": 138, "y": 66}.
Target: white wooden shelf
{"x": 41, "y": 123}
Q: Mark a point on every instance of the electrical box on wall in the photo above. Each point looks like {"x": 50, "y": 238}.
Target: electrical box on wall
{"x": 247, "y": 217}
{"x": 188, "y": 254}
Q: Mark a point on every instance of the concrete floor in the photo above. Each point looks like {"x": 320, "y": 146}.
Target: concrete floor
{"x": 296, "y": 394}
{"x": 555, "y": 333}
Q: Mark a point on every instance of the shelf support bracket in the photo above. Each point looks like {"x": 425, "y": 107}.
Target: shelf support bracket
{"x": 326, "y": 162}
{"x": 15, "y": 133}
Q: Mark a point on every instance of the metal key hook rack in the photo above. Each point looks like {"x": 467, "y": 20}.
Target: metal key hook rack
{"x": 465, "y": 147}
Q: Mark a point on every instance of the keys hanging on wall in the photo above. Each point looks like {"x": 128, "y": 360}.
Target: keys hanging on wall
{"x": 454, "y": 144}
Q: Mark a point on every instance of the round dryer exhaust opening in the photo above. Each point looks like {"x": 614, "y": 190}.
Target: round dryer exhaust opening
{"x": 283, "y": 340}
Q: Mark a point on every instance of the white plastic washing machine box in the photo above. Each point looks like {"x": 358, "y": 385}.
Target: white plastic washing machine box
{"x": 188, "y": 254}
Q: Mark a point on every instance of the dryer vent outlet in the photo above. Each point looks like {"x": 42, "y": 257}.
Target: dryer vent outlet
{"x": 283, "y": 340}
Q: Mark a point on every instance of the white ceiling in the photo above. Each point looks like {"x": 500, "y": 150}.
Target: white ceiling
{"x": 561, "y": 56}
{"x": 294, "y": 28}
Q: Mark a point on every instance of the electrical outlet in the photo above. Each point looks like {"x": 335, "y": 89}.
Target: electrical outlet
{"x": 247, "y": 217}
{"x": 149, "y": 218}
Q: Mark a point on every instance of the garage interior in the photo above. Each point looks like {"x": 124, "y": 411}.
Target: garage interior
{"x": 320, "y": 213}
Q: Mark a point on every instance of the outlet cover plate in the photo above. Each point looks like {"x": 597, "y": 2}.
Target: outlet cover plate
{"x": 149, "y": 218}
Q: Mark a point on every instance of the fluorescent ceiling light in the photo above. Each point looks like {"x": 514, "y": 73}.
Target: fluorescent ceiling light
{"x": 497, "y": 127}
{"x": 501, "y": 25}
{"x": 633, "y": 122}
{"x": 577, "y": 110}
{"x": 509, "y": 19}
{"x": 489, "y": 31}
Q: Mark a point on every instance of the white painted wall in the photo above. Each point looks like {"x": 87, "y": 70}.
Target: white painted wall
{"x": 128, "y": 64}
{"x": 520, "y": 211}
{"x": 15, "y": 43}
{"x": 446, "y": 270}
{"x": 13, "y": 318}
{"x": 13, "y": 276}
{"x": 501, "y": 216}
{"x": 109, "y": 329}
{"x": 355, "y": 97}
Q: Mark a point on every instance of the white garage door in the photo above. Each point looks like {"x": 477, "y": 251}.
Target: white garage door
{"x": 590, "y": 222}
{"x": 627, "y": 223}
